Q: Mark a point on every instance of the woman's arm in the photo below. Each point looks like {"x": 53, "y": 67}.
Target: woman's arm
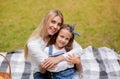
{"x": 35, "y": 51}
{"x": 72, "y": 59}
{"x": 38, "y": 56}
{"x": 52, "y": 61}
{"x": 77, "y": 50}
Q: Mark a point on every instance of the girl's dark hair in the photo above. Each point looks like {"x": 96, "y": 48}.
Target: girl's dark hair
{"x": 69, "y": 46}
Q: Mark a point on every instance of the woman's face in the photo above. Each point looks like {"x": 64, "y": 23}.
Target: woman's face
{"x": 54, "y": 25}
{"x": 63, "y": 38}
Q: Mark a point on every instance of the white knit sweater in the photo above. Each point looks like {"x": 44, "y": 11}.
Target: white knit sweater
{"x": 36, "y": 54}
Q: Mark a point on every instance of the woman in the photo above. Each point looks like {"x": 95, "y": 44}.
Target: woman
{"x": 36, "y": 43}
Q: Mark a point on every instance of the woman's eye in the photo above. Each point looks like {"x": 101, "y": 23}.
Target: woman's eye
{"x": 60, "y": 24}
{"x": 53, "y": 21}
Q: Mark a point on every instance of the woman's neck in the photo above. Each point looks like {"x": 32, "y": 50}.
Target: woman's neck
{"x": 47, "y": 38}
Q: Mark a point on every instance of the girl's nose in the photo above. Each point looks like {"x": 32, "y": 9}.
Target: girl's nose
{"x": 63, "y": 40}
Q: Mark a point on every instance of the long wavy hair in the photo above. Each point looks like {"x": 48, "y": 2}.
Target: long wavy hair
{"x": 41, "y": 30}
{"x": 69, "y": 46}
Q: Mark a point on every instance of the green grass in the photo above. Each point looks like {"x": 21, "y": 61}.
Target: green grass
{"x": 98, "y": 21}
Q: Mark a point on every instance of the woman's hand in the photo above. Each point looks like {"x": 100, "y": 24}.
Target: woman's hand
{"x": 51, "y": 62}
{"x": 46, "y": 66}
{"x": 42, "y": 69}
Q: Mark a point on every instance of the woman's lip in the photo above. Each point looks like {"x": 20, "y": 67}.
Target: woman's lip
{"x": 53, "y": 30}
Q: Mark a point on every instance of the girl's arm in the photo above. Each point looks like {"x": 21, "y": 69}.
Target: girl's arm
{"x": 77, "y": 51}
{"x": 35, "y": 48}
{"x": 72, "y": 59}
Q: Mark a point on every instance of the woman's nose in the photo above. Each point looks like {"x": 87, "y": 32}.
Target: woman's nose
{"x": 55, "y": 26}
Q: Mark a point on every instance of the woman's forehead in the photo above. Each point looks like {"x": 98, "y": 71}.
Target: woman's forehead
{"x": 57, "y": 18}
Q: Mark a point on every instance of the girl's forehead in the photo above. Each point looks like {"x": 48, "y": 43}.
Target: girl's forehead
{"x": 65, "y": 32}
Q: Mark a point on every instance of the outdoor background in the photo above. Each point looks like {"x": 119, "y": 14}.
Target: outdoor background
{"x": 97, "y": 21}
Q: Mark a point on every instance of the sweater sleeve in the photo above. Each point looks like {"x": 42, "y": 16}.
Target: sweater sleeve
{"x": 77, "y": 50}
{"x": 35, "y": 51}
{"x": 61, "y": 66}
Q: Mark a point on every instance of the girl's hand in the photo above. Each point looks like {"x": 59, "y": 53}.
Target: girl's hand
{"x": 75, "y": 60}
{"x": 72, "y": 59}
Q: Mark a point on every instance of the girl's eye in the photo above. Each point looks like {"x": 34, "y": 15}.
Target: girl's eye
{"x": 61, "y": 36}
{"x": 68, "y": 39}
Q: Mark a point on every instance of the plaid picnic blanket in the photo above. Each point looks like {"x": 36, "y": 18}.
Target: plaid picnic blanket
{"x": 98, "y": 63}
{"x": 20, "y": 68}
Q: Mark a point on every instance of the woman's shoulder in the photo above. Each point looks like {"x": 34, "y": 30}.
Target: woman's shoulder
{"x": 36, "y": 44}
{"x": 37, "y": 40}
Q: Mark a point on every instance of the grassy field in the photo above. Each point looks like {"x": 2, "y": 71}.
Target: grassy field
{"x": 98, "y": 21}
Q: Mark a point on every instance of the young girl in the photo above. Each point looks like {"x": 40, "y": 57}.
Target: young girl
{"x": 36, "y": 43}
{"x": 60, "y": 43}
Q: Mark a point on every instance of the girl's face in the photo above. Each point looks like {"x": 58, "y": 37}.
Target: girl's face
{"x": 54, "y": 25}
{"x": 63, "y": 38}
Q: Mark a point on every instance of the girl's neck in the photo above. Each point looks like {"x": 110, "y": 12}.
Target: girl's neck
{"x": 58, "y": 48}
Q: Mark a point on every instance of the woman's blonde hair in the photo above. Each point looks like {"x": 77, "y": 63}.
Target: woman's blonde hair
{"x": 41, "y": 30}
